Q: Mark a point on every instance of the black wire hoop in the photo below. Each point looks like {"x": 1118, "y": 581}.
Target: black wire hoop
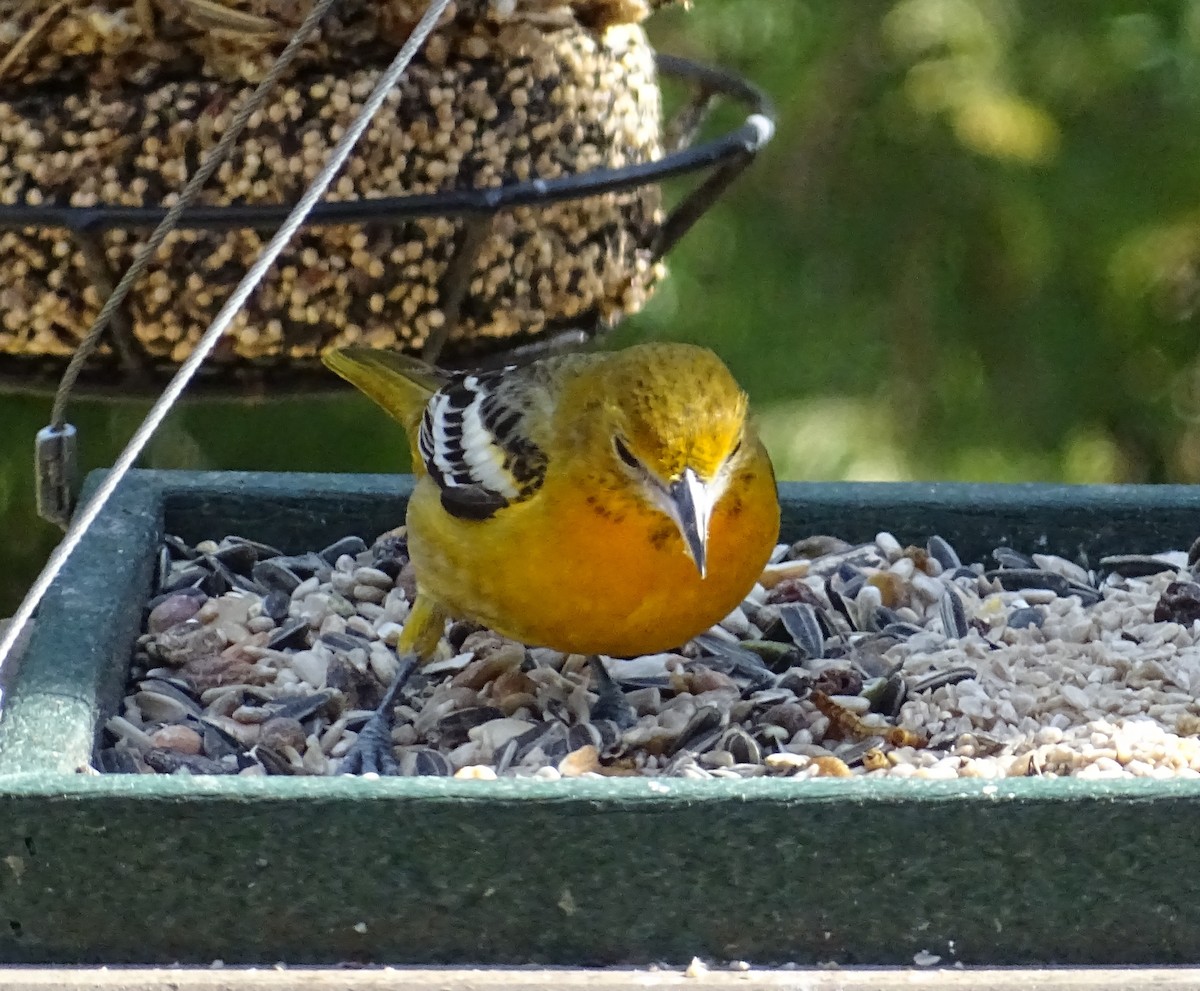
{"x": 721, "y": 158}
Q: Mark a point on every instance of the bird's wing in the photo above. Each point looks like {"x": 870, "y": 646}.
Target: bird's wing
{"x": 478, "y": 439}
{"x": 477, "y": 435}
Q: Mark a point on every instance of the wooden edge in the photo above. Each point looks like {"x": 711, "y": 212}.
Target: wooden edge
{"x": 694, "y": 979}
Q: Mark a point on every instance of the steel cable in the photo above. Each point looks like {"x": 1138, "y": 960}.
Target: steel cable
{"x": 88, "y": 514}
{"x": 213, "y": 160}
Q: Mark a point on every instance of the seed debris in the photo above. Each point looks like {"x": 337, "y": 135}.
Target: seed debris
{"x": 238, "y": 675}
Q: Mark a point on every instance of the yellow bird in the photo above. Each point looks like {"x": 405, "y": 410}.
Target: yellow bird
{"x": 616, "y": 503}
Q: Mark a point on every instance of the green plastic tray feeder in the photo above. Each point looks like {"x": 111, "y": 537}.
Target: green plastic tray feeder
{"x": 156, "y": 869}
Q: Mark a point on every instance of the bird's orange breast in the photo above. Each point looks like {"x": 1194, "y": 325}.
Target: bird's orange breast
{"x": 560, "y": 571}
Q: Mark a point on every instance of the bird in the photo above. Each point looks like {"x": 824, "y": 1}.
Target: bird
{"x": 603, "y": 503}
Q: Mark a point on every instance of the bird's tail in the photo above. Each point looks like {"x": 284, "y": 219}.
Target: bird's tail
{"x": 401, "y": 385}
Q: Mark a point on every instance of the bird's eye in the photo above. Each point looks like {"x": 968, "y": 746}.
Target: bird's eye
{"x": 625, "y": 454}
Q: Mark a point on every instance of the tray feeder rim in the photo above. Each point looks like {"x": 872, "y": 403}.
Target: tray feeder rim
{"x": 640, "y": 792}
{"x": 113, "y": 563}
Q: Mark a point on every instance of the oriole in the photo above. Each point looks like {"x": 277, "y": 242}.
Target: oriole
{"x": 615, "y": 503}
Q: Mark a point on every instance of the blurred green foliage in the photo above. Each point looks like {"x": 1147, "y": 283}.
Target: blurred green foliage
{"x": 972, "y": 251}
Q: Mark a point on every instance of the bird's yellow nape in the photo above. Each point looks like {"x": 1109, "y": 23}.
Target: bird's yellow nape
{"x": 399, "y": 384}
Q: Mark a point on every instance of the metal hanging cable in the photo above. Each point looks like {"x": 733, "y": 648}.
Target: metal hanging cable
{"x": 55, "y": 456}
{"x": 88, "y": 514}
{"x": 190, "y": 191}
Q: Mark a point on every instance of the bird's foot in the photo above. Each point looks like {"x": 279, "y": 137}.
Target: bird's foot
{"x": 372, "y": 751}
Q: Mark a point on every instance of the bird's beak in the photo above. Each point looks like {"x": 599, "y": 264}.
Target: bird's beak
{"x": 692, "y": 502}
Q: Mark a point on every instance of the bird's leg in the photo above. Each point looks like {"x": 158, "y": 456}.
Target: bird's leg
{"x": 372, "y": 751}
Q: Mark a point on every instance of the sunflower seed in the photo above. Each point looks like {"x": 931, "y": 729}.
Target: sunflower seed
{"x": 1026, "y": 617}
{"x": 941, "y": 551}
{"x": 953, "y": 616}
{"x": 275, "y": 577}
{"x": 936, "y": 680}
{"x": 116, "y": 760}
{"x": 300, "y": 708}
{"x": 456, "y": 725}
{"x": 352, "y": 546}
{"x": 1006, "y": 557}
{"x": 1135, "y": 565}
{"x": 169, "y": 761}
{"x": 609, "y": 733}
{"x": 293, "y": 634}
{"x": 275, "y": 605}
{"x": 801, "y": 622}
{"x": 274, "y": 762}
{"x": 740, "y": 745}
{"x": 158, "y": 707}
{"x": 838, "y": 603}
{"x": 701, "y": 731}
{"x": 186, "y": 578}
{"x": 1020, "y": 579}
{"x": 868, "y": 600}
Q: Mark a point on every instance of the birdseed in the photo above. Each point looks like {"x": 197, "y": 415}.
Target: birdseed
{"x": 875, "y": 660}
{"x": 479, "y": 109}
{"x": 107, "y": 43}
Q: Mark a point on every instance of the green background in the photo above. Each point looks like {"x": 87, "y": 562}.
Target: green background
{"x": 972, "y": 252}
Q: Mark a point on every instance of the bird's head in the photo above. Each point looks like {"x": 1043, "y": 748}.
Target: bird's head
{"x": 670, "y": 432}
